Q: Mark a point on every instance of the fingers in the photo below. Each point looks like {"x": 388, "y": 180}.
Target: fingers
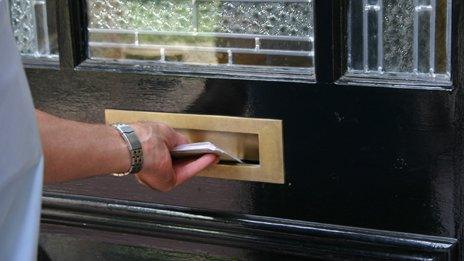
{"x": 141, "y": 182}
{"x": 187, "y": 169}
{"x": 159, "y": 171}
{"x": 180, "y": 139}
{"x": 164, "y": 183}
{"x": 175, "y": 139}
{"x": 180, "y": 172}
{"x": 172, "y": 137}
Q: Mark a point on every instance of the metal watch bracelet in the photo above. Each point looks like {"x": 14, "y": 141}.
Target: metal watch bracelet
{"x": 134, "y": 146}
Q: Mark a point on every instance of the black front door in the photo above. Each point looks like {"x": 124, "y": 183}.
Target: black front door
{"x": 369, "y": 94}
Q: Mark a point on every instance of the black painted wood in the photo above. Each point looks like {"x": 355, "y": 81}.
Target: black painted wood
{"x": 377, "y": 158}
{"x": 72, "y": 247}
{"x": 306, "y": 239}
{"x": 202, "y": 71}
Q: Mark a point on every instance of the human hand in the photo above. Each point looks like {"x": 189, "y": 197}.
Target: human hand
{"x": 159, "y": 171}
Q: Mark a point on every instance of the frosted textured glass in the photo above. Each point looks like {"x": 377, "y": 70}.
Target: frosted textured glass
{"x": 400, "y": 37}
{"x": 256, "y": 18}
{"x": 23, "y": 24}
{"x": 34, "y": 30}
{"x": 141, "y": 15}
{"x": 244, "y": 33}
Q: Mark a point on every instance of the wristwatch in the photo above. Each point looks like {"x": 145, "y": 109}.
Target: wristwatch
{"x": 134, "y": 146}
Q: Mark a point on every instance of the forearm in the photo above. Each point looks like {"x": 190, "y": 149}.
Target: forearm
{"x": 74, "y": 150}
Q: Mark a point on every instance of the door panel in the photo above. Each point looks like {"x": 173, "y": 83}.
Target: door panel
{"x": 344, "y": 148}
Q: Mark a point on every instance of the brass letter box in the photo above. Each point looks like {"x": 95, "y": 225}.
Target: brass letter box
{"x": 258, "y": 142}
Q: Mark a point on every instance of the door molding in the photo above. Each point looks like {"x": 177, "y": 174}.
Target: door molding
{"x": 273, "y": 235}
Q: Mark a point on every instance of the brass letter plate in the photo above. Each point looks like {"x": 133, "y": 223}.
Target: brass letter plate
{"x": 258, "y": 142}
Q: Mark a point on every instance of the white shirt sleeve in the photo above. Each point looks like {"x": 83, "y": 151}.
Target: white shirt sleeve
{"x": 21, "y": 161}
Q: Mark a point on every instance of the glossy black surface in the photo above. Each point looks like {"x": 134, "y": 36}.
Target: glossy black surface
{"x": 358, "y": 156}
{"x": 242, "y": 236}
{"x": 369, "y": 157}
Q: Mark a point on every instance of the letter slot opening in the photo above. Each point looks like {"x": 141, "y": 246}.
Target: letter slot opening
{"x": 244, "y": 146}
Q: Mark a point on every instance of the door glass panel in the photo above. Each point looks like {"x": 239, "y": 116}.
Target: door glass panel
{"x": 400, "y": 37}
{"x": 276, "y": 33}
{"x": 34, "y": 27}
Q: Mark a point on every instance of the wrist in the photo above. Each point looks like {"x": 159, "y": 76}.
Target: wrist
{"x": 121, "y": 159}
{"x": 143, "y": 134}
{"x": 134, "y": 147}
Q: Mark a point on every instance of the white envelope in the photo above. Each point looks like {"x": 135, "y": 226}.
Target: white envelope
{"x": 200, "y": 148}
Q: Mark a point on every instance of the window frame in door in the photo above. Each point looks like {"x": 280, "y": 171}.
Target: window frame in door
{"x": 344, "y": 78}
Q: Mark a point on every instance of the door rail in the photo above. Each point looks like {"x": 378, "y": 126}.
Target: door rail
{"x": 271, "y": 235}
